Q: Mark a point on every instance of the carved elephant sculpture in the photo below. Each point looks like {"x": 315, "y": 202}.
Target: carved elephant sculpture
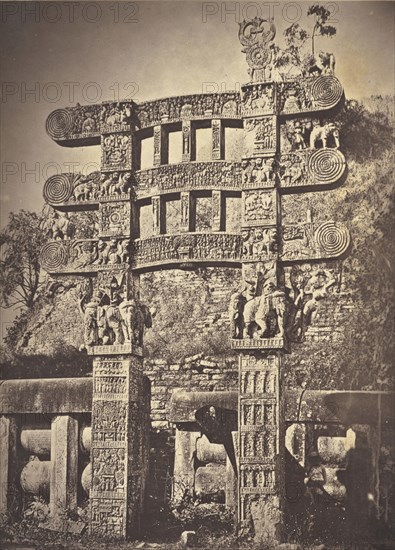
{"x": 135, "y": 317}
{"x": 266, "y": 311}
{"x": 62, "y": 228}
{"x": 323, "y": 133}
{"x": 83, "y": 191}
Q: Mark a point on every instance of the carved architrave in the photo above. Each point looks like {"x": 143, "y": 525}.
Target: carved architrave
{"x": 174, "y": 109}
{"x": 194, "y": 175}
{"x": 87, "y": 122}
{"x": 78, "y": 191}
{"x": 311, "y": 168}
{"x": 309, "y": 94}
{"x": 77, "y": 256}
{"x": 84, "y": 255}
{"x": 116, "y": 152}
{"x": 208, "y": 247}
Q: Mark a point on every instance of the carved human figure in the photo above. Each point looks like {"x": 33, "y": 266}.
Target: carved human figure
{"x": 89, "y": 124}
{"x": 236, "y": 306}
{"x": 318, "y": 287}
{"x": 90, "y": 323}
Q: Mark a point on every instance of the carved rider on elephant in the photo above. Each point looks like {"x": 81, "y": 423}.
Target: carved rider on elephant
{"x": 267, "y": 311}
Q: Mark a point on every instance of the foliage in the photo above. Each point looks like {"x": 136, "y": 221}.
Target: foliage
{"x": 62, "y": 361}
{"x": 366, "y": 134}
{"x": 37, "y": 511}
{"x": 362, "y": 355}
{"x": 321, "y": 28}
{"x": 184, "y": 322}
{"x": 20, "y": 244}
{"x": 296, "y": 37}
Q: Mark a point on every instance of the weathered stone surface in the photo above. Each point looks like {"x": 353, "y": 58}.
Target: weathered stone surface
{"x": 188, "y": 539}
{"x": 64, "y": 464}
{"x": 36, "y": 439}
{"x": 8, "y": 453}
{"x": 35, "y": 477}
{"x": 267, "y": 519}
{"x": 184, "y": 475}
{"x": 210, "y": 452}
{"x": 210, "y": 480}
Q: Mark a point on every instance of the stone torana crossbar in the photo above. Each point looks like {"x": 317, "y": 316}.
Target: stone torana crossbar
{"x": 290, "y": 145}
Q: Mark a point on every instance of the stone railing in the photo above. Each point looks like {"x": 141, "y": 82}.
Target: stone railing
{"x": 50, "y": 457}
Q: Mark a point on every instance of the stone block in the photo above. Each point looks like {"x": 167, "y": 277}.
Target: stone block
{"x": 210, "y": 452}
{"x": 64, "y": 464}
{"x": 266, "y": 517}
{"x": 36, "y": 439}
{"x": 35, "y": 477}
{"x": 210, "y": 479}
{"x": 160, "y": 425}
{"x": 188, "y": 538}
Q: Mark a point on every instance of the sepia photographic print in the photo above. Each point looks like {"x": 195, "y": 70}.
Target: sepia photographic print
{"x": 197, "y": 275}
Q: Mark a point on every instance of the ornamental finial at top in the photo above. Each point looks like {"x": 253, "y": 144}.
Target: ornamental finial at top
{"x": 256, "y": 36}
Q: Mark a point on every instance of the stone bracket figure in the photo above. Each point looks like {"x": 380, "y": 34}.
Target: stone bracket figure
{"x": 236, "y": 307}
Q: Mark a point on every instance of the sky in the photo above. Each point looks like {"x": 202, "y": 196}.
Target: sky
{"x": 56, "y": 54}
{"x": 69, "y": 52}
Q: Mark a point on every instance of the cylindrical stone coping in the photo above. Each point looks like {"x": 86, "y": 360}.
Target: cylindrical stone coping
{"x": 86, "y": 478}
{"x": 210, "y": 452}
{"x": 86, "y": 438}
{"x": 36, "y": 439}
{"x": 35, "y": 477}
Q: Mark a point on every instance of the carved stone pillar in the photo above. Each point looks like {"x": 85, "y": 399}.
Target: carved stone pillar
{"x": 184, "y": 475}
{"x": 117, "y": 444}
{"x": 217, "y": 151}
{"x": 260, "y": 443}
{"x": 185, "y": 223}
{"x": 157, "y": 215}
{"x": 8, "y": 462}
{"x": 216, "y": 223}
{"x": 187, "y": 141}
{"x": 158, "y": 145}
{"x": 64, "y": 464}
